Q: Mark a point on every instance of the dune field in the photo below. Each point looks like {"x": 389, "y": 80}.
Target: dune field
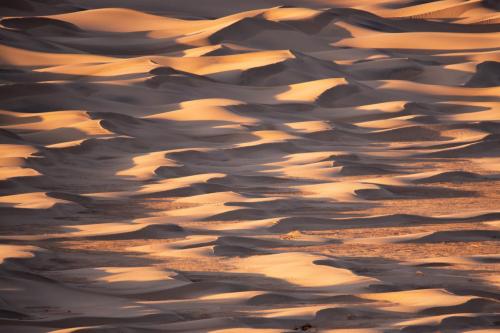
{"x": 249, "y": 166}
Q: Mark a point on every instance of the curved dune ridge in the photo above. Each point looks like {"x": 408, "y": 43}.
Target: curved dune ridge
{"x": 249, "y": 166}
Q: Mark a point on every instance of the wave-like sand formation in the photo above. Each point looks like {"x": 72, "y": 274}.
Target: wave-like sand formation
{"x": 249, "y": 166}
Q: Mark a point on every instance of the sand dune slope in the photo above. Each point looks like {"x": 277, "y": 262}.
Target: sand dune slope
{"x": 249, "y": 166}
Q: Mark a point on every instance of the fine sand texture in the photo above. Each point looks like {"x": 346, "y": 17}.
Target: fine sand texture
{"x": 249, "y": 166}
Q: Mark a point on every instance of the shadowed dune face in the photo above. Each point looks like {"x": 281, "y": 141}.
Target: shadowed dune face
{"x": 249, "y": 166}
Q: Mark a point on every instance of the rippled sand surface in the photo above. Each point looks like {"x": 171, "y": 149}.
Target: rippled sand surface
{"x": 249, "y": 166}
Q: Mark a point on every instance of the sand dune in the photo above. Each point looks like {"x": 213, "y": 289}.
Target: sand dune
{"x": 249, "y": 166}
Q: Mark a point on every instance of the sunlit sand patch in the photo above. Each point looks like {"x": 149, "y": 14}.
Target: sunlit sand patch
{"x": 17, "y": 251}
{"x": 303, "y": 270}
{"x": 34, "y": 200}
{"x": 415, "y": 300}
{"x": 13, "y": 161}
{"x": 146, "y": 165}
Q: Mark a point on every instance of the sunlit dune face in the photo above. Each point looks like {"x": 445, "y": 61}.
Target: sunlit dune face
{"x": 216, "y": 64}
{"x": 309, "y": 91}
{"x": 16, "y": 251}
{"x": 290, "y": 14}
{"x": 34, "y": 200}
{"x": 122, "y": 20}
{"x": 11, "y": 56}
{"x": 19, "y": 151}
{"x": 421, "y": 41}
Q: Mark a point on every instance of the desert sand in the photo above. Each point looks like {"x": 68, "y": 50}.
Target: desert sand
{"x": 249, "y": 166}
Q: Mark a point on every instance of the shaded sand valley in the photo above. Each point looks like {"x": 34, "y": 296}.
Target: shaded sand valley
{"x": 249, "y": 166}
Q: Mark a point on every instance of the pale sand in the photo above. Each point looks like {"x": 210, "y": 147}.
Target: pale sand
{"x": 249, "y": 166}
